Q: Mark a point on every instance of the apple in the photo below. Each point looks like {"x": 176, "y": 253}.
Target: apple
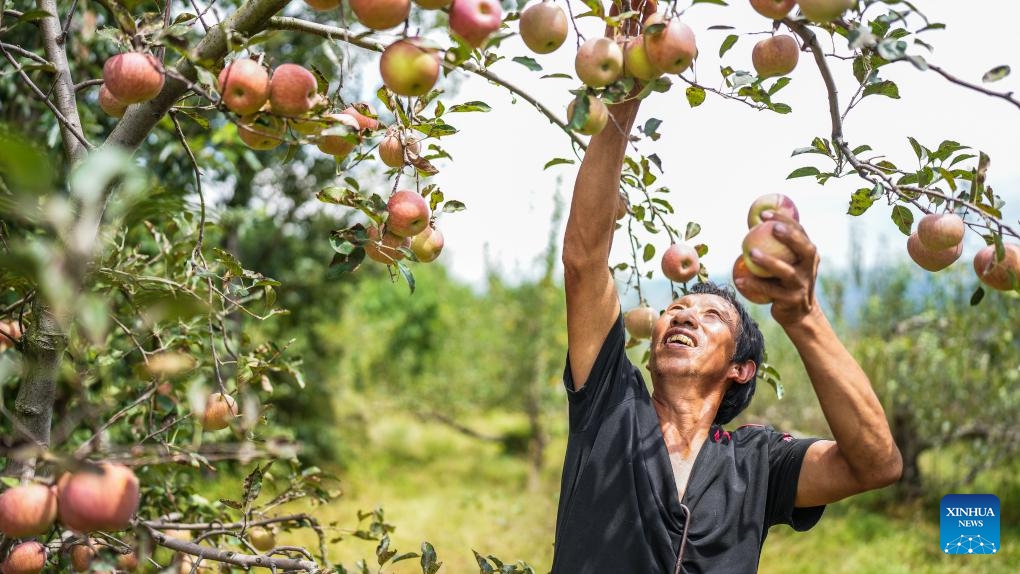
{"x": 941, "y": 231}
{"x": 12, "y": 329}
{"x": 761, "y": 237}
{"x": 262, "y": 538}
{"x": 622, "y": 206}
{"x": 381, "y": 14}
{"x": 397, "y": 148}
{"x": 220, "y": 409}
{"x": 775, "y": 202}
{"x": 427, "y": 245}
{"x": 292, "y": 90}
{"x": 103, "y": 498}
{"x": 187, "y": 565}
{"x": 824, "y": 11}
{"x": 775, "y": 56}
{"x": 81, "y": 557}
{"x": 368, "y": 119}
{"x": 25, "y": 558}
{"x": 932, "y": 259}
{"x": 543, "y": 27}
{"x": 110, "y": 104}
{"x": 323, "y": 5}
{"x": 408, "y": 214}
{"x": 598, "y": 116}
{"x": 740, "y": 271}
{"x": 599, "y": 62}
{"x": 128, "y": 561}
{"x": 475, "y": 20}
{"x": 261, "y": 132}
{"x": 1000, "y": 275}
{"x": 133, "y": 77}
{"x": 433, "y": 4}
{"x": 244, "y": 86}
{"x": 408, "y": 68}
{"x": 640, "y": 320}
{"x": 27, "y": 510}
{"x": 635, "y": 60}
{"x": 680, "y": 263}
{"x": 386, "y": 250}
{"x": 775, "y": 9}
{"x": 336, "y": 144}
{"x": 672, "y": 48}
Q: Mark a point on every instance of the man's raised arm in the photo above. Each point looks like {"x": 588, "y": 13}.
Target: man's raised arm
{"x": 592, "y": 300}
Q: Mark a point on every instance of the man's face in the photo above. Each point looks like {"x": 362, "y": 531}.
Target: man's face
{"x": 694, "y": 337}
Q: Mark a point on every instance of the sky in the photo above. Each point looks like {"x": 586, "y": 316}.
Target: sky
{"x": 719, "y": 157}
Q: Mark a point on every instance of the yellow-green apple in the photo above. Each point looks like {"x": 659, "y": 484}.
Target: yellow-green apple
{"x": 408, "y": 214}
{"x": 640, "y": 320}
{"x": 635, "y": 60}
{"x": 27, "y": 510}
{"x": 1000, "y": 275}
{"x": 25, "y": 558}
{"x": 323, "y": 5}
{"x": 475, "y": 20}
{"x": 599, "y": 62}
{"x": 543, "y": 27}
{"x": 671, "y": 47}
{"x": 220, "y": 409}
{"x": 368, "y": 119}
{"x": 386, "y": 249}
{"x": 427, "y": 245}
{"x": 941, "y": 231}
{"x": 133, "y": 77}
{"x": 396, "y": 148}
{"x": 128, "y": 561}
{"x": 774, "y": 202}
{"x": 622, "y": 206}
{"x": 98, "y": 499}
{"x": 932, "y": 259}
{"x": 244, "y": 86}
{"x": 262, "y": 538}
{"x": 742, "y": 273}
{"x": 110, "y": 104}
{"x": 598, "y": 116}
{"x": 775, "y": 56}
{"x": 775, "y": 9}
{"x": 292, "y": 90}
{"x": 341, "y": 137}
{"x": 823, "y": 11}
{"x": 433, "y": 4}
{"x": 81, "y": 557}
{"x": 680, "y": 263}
{"x": 261, "y": 132}
{"x": 381, "y": 14}
{"x": 762, "y": 238}
{"x": 409, "y": 68}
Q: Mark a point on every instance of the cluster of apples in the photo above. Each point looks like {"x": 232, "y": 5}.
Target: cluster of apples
{"x": 129, "y": 78}
{"x": 408, "y": 227}
{"x": 761, "y": 237}
{"x": 680, "y": 263}
{"x": 938, "y": 242}
{"x": 101, "y": 499}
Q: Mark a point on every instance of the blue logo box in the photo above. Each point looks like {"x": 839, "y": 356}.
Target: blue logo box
{"x": 969, "y": 524}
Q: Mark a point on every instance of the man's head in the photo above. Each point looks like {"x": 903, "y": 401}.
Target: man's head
{"x": 708, "y": 336}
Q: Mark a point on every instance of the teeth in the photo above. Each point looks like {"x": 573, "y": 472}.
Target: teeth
{"x": 682, "y": 339}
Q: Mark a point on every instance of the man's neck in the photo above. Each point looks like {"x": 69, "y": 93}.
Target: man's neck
{"x": 685, "y": 416}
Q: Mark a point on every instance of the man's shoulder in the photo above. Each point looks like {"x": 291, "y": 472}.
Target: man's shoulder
{"x": 755, "y": 434}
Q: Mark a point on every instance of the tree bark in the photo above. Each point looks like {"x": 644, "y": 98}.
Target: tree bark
{"x": 63, "y": 88}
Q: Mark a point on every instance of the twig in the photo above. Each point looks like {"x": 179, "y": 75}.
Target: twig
{"x": 230, "y": 556}
{"x": 87, "y": 84}
{"x": 161, "y": 525}
{"x": 198, "y": 183}
{"x": 1008, "y": 96}
{"x": 26, "y": 53}
{"x": 87, "y": 445}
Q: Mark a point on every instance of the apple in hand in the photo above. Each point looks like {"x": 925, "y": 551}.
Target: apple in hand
{"x": 762, "y": 238}
{"x": 775, "y": 9}
{"x": 339, "y": 144}
{"x": 261, "y": 132}
{"x": 640, "y": 320}
{"x": 543, "y": 27}
{"x": 824, "y": 11}
{"x": 244, "y": 86}
{"x": 1000, "y": 275}
{"x": 775, "y": 56}
{"x": 292, "y": 90}
{"x": 774, "y": 202}
{"x": 381, "y": 14}
{"x": 427, "y": 245}
{"x": 387, "y": 249}
{"x": 941, "y": 231}
{"x": 680, "y": 263}
{"x": 598, "y": 116}
{"x": 742, "y": 273}
{"x": 672, "y": 48}
{"x": 110, "y": 104}
{"x": 25, "y": 558}
{"x": 599, "y": 62}
{"x": 475, "y": 20}
{"x": 133, "y": 77}
{"x": 408, "y": 68}
{"x": 635, "y": 60}
{"x": 408, "y": 214}
{"x": 932, "y": 259}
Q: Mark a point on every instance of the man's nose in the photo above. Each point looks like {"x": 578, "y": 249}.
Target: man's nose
{"x": 685, "y": 316}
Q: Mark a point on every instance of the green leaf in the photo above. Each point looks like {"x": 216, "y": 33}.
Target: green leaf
{"x": 33, "y": 16}
{"x": 429, "y": 563}
{"x": 978, "y": 295}
{"x": 903, "y": 218}
{"x": 253, "y": 485}
{"x": 651, "y": 128}
{"x": 804, "y": 172}
{"x": 558, "y": 75}
{"x": 780, "y": 84}
{"x": 471, "y": 107}
{"x": 885, "y": 88}
{"x": 727, "y": 44}
{"x": 528, "y": 63}
{"x": 995, "y": 74}
{"x": 453, "y": 206}
{"x": 860, "y": 201}
{"x": 693, "y": 229}
{"x": 383, "y": 553}
{"x": 649, "y": 252}
{"x": 695, "y": 96}
{"x": 558, "y": 161}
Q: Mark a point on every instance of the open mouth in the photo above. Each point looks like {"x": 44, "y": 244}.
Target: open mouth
{"x": 678, "y": 339}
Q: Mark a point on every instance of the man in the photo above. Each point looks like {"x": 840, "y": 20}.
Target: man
{"x": 652, "y": 483}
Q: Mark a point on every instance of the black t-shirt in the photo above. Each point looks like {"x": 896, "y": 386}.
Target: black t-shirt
{"x": 619, "y": 511}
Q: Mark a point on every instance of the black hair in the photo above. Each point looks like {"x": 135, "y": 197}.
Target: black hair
{"x": 750, "y": 345}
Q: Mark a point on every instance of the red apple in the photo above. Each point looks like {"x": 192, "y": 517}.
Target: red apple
{"x": 543, "y": 27}
{"x": 220, "y": 409}
{"x": 475, "y": 20}
{"x": 775, "y": 9}
{"x": 292, "y": 90}
{"x": 25, "y": 558}
{"x": 640, "y": 320}
{"x": 323, "y": 5}
{"x": 740, "y": 271}
{"x": 635, "y": 60}
{"x": 81, "y": 557}
{"x": 1000, "y": 275}
{"x": 262, "y": 538}
{"x": 396, "y": 148}
{"x": 598, "y": 116}
{"x": 408, "y": 68}
{"x": 244, "y": 86}
{"x": 408, "y": 214}
{"x": 103, "y": 498}
{"x": 133, "y": 77}
{"x": 386, "y": 250}
{"x": 381, "y": 14}
{"x": 775, "y": 56}
{"x": 761, "y": 237}
{"x": 680, "y": 263}
{"x": 110, "y": 104}
{"x": 427, "y": 245}
{"x": 368, "y": 119}
{"x": 824, "y": 11}
{"x": 128, "y": 561}
{"x": 941, "y": 231}
{"x": 338, "y": 144}
{"x": 27, "y": 510}
{"x": 932, "y": 259}
{"x": 433, "y": 4}
{"x": 775, "y": 202}
{"x": 261, "y": 132}
{"x": 671, "y": 49}
{"x": 599, "y": 62}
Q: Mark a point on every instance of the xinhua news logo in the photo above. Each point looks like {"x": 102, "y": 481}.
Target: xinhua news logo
{"x": 970, "y": 524}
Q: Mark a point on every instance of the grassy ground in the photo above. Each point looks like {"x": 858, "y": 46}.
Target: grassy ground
{"x": 462, "y": 494}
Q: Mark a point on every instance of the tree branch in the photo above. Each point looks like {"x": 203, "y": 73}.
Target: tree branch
{"x": 1008, "y": 96}
{"x": 230, "y": 556}
{"x": 52, "y": 38}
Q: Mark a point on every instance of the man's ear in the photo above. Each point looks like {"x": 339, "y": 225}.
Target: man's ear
{"x": 743, "y": 372}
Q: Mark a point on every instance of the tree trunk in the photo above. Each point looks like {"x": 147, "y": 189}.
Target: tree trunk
{"x": 911, "y": 446}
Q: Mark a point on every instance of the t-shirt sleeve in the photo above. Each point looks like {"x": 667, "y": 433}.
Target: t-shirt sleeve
{"x": 786, "y": 455}
{"x": 603, "y": 388}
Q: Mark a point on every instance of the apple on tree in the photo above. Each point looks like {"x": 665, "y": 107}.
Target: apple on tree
{"x": 475, "y": 20}
{"x": 365, "y": 114}
{"x": 398, "y": 147}
{"x": 341, "y": 137}
{"x": 409, "y": 68}
{"x": 1001, "y": 275}
{"x": 775, "y": 9}
{"x": 599, "y": 62}
{"x": 636, "y": 63}
{"x": 385, "y": 247}
{"x": 244, "y": 86}
{"x": 262, "y": 538}
{"x": 775, "y": 56}
{"x": 428, "y": 244}
{"x": 762, "y": 238}
{"x": 133, "y": 77}
{"x": 81, "y": 557}
{"x": 220, "y": 409}
{"x": 433, "y": 4}
{"x": 640, "y": 320}
{"x": 670, "y": 44}
{"x": 110, "y": 104}
{"x": 680, "y": 263}
{"x": 102, "y": 498}
{"x": 932, "y": 259}
{"x": 261, "y": 131}
{"x": 25, "y": 558}
{"x": 941, "y": 231}
{"x": 824, "y": 11}
{"x": 598, "y": 115}
{"x": 12, "y": 330}
{"x": 323, "y": 5}
{"x": 408, "y": 214}
{"x": 381, "y": 14}
{"x": 543, "y": 27}
{"x": 27, "y": 510}
{"x": 128, "y": 561}
{"x": 292, "y": 90}
{"x": 774, "y": 202}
